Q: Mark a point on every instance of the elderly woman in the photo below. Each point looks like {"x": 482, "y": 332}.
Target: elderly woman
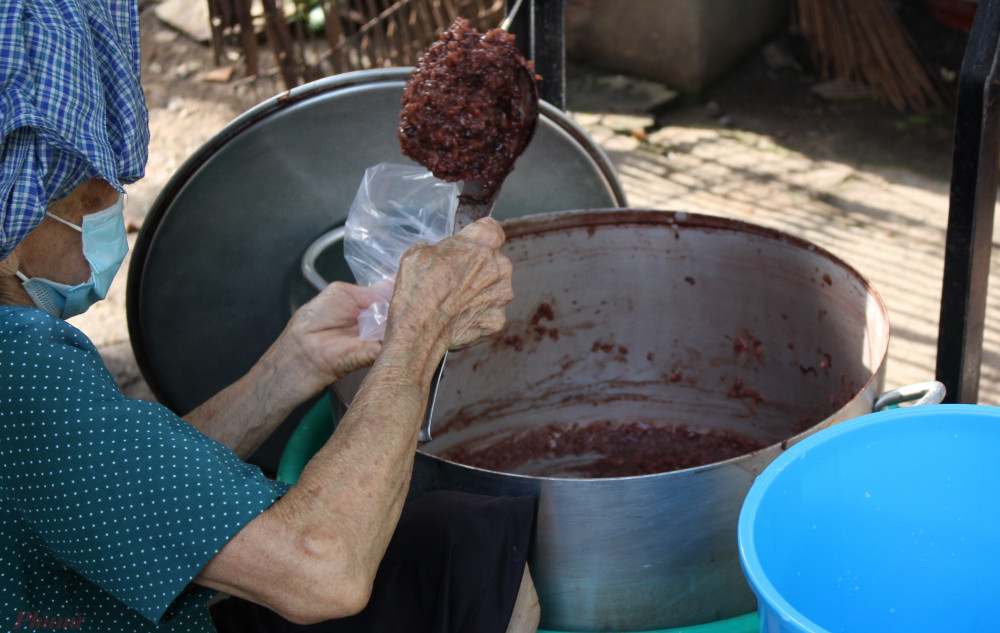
{"x": 118, "y": 515}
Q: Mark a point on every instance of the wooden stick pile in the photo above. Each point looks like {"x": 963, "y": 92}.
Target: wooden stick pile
{"x": 865, "y": 41}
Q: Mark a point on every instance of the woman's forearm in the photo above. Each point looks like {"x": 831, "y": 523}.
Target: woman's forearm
{"x": 369, "y": 460}
{"x": 333, "y": 526}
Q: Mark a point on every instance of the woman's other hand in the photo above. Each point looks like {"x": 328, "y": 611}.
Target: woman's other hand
{"x": 323, "y": 335}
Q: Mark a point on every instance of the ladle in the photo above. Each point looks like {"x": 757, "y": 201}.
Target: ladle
{"x": 478, "y": 198}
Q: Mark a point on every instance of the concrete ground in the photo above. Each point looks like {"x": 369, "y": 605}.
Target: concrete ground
{"x": 876, "y": 209}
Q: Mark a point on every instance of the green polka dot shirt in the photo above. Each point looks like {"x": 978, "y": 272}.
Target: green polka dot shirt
{"x": 109, "y": 507}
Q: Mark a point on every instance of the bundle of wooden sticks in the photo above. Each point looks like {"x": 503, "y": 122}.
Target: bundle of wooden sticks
{"x": 864, "y": 41}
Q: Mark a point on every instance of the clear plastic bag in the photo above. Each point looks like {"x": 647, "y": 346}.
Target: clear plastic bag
{"x": 396, "y": 206}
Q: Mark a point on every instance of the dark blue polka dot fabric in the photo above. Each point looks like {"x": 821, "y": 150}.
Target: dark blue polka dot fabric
{"x": 108, "y": 506}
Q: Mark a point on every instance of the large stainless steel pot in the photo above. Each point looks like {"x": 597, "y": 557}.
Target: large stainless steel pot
{"x": 669, "y": 318}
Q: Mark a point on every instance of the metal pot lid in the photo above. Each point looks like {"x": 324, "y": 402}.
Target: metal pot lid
{"x": 215, "y": 271}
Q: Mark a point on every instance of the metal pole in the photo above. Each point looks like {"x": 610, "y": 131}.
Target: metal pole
{"x": 970, "y": 221}
{"x": 549, "y": 49}
{"x": 540, "y": 28}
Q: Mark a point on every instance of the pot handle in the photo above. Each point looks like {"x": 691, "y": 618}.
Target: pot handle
{"x": 931, "y": 392}
{"x": 309, "y": 257}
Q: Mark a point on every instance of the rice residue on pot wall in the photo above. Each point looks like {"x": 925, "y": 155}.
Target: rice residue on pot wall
{"x": 601, "y": 449}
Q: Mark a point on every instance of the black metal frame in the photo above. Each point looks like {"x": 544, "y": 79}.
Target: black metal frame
{"x": 975, "y": 161}
{"x": 540, "y": 28}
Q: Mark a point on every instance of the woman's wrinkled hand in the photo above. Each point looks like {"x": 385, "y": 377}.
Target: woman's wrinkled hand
{"x": 457, "y": 289}
{"x": 323, "y": 335}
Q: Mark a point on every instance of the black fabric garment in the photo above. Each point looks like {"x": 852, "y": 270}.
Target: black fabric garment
{"x": 454, "y": 565}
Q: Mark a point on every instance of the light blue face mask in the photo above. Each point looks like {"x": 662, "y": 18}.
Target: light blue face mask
{"x": 105, "y": 245}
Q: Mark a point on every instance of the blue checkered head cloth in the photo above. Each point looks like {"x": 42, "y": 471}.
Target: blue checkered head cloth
{"x": 71, "y": 104}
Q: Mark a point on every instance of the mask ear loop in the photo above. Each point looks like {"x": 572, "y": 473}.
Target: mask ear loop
{"x": 79, "y": 229}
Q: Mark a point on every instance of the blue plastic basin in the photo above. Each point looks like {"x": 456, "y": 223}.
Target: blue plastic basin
{"x": 888, "y": 522}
